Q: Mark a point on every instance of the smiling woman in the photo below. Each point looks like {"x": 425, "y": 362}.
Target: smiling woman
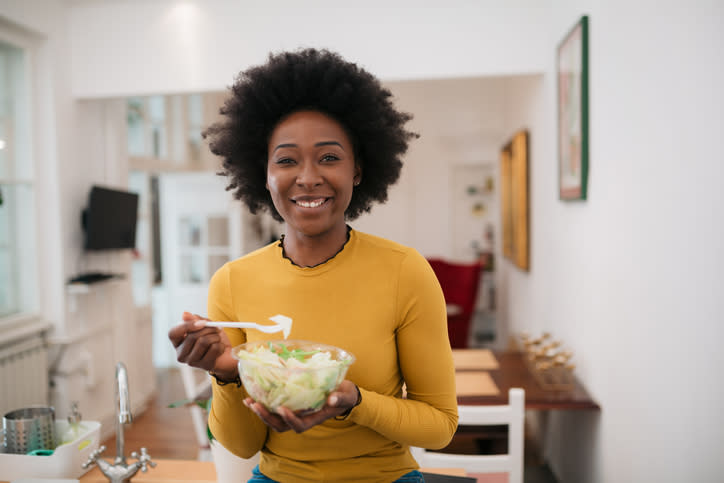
{"x": 316, "y": 140}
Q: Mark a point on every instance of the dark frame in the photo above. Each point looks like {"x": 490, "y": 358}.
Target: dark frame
{"x": 572, "y": 91}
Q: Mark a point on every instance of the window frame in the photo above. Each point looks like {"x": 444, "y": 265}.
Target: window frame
{"x": 29, "y": 320}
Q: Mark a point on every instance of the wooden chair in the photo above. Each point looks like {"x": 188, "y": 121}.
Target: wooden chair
{"x": 495, "y": 465}
{"x": 459, "y": 282}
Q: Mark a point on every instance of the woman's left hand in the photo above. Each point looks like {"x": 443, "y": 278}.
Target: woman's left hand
{"x": 338, "y": 402}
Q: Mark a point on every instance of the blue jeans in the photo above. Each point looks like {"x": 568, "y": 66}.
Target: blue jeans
{"x": 411, "y": 477}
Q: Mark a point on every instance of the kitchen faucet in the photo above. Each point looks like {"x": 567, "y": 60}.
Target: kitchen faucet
{"x": 120, "y": 471}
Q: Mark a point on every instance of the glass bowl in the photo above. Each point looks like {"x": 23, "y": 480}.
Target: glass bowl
{"x": 296, "y": 374}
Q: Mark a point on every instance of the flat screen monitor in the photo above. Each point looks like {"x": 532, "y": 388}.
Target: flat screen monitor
{"x": 110, "y": 219}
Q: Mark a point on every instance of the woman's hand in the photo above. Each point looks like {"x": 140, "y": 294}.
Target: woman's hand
{"x": 207, "y": 348}
{"x": 338, "y": 402}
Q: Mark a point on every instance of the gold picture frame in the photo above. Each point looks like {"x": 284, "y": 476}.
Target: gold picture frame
{"x": 514, "y": 200}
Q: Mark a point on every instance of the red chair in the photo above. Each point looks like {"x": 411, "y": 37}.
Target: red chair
{"x": 459, "y": 282}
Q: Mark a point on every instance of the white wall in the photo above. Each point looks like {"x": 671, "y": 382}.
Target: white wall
{"x": 123, "y": 48}
{"x": 458, "y": 121}
{"x": 630, "y": 279}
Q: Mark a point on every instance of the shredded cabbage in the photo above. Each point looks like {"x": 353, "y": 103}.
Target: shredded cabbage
{"x": 297, "y": 379}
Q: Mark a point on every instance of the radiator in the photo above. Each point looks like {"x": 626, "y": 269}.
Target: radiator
{"x": 23, "y": 374}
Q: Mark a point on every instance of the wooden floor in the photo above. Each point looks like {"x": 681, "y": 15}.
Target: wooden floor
{"x": 167, "y": 433}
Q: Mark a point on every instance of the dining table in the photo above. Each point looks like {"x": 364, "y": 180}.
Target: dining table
{"x": 484, "y": 376}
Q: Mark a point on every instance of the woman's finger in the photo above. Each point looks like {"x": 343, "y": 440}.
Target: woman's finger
{"x": 302, "y": 422}
{"x": 178, "y": 333}
{"x": 272, "y": 420}
{"x": 197, "y": 345}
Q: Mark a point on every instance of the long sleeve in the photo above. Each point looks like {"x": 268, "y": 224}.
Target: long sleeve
{"x": 234, "y": 425}
{"x": 428, "y": 417}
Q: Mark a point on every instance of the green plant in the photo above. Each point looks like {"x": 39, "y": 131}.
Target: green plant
{"x": 202, "y": 402}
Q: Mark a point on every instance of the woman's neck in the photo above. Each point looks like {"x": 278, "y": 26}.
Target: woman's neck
{"x": 309, "y": 251}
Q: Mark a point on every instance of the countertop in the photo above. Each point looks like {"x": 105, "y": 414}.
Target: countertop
{"x": 167, "y": 471}
{"x": 172, "y": 471}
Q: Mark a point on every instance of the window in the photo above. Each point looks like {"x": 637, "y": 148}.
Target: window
{"x": 195, "y": 121}
{"x": 147, "y": 127}
{"x": 18, "y": 293}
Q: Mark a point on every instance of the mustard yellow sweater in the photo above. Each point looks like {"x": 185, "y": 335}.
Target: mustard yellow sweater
{"x": 376, "y": 299}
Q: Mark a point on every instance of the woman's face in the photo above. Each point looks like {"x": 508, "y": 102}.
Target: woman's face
{"x": 311, "y": 172}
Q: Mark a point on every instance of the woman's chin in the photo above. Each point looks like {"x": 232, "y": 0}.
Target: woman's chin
{"x": 316, "y": 227}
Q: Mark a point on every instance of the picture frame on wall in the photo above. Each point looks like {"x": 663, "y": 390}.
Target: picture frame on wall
{"x": 515, "y": 205}
{"x": 506, "y": 200}
{"x": 572, "y": 89}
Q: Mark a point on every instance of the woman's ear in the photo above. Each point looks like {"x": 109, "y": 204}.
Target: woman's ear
{"x": 357, "y": 175}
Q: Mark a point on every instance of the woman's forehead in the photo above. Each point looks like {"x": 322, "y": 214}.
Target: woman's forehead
{"x": 308, "y": 126}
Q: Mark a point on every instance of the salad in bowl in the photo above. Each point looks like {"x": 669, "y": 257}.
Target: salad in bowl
{"x": 296, "y": 374}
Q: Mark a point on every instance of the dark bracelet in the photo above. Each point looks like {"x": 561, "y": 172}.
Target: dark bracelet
{"x": 344, "y": 415}
{"x": 221, "y": 382}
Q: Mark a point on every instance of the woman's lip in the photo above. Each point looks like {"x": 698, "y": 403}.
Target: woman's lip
{"x": 310, "y": 202}
{"x": 309, "y": 197}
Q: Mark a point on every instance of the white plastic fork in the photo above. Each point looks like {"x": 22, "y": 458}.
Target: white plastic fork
{"x": 283, "y": 325}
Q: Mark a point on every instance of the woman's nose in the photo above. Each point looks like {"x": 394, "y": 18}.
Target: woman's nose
{"x": 309, "y": 175}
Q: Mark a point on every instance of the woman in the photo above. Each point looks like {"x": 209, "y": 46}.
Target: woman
{"x": 316, "y": 140}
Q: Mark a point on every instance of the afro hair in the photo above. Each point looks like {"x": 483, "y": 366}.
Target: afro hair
{"x": 309, "y": 79}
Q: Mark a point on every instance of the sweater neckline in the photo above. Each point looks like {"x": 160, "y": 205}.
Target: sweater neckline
{"x": 331, "y": 261}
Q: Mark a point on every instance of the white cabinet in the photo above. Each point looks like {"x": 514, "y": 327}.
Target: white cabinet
{"x": 102, "y": 328}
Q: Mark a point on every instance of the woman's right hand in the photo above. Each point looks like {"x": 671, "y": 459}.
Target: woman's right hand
{"x": 207, "y": 348}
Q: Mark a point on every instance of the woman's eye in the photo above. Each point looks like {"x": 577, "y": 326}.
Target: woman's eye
{"x": 330, "y": 157}
{"x": 284, "y": 161}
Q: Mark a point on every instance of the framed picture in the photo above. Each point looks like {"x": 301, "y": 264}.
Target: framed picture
{"x": 514, "y": 200}
{"x": 572, "y": 86}
{"x": 506, "y": 201}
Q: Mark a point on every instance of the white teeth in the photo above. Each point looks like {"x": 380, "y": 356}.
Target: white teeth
{"x": 310, "y": 204}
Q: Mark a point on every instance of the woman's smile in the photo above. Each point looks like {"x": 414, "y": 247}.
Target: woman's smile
{"x": 310, "y": 203}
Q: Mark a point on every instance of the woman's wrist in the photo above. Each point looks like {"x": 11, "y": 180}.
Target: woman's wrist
{"x": 344, "y": 415}
{"x": 224, "y": 378}
{"x": 225, "y": 371}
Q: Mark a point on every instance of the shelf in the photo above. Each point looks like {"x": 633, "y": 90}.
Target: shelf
{"x": 80, "y": 288}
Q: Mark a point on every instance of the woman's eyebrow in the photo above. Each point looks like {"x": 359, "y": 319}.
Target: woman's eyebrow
{"x": 321, "y": 143}
{"x": 329, "y": 143}
{"x": 289, "y": 145}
